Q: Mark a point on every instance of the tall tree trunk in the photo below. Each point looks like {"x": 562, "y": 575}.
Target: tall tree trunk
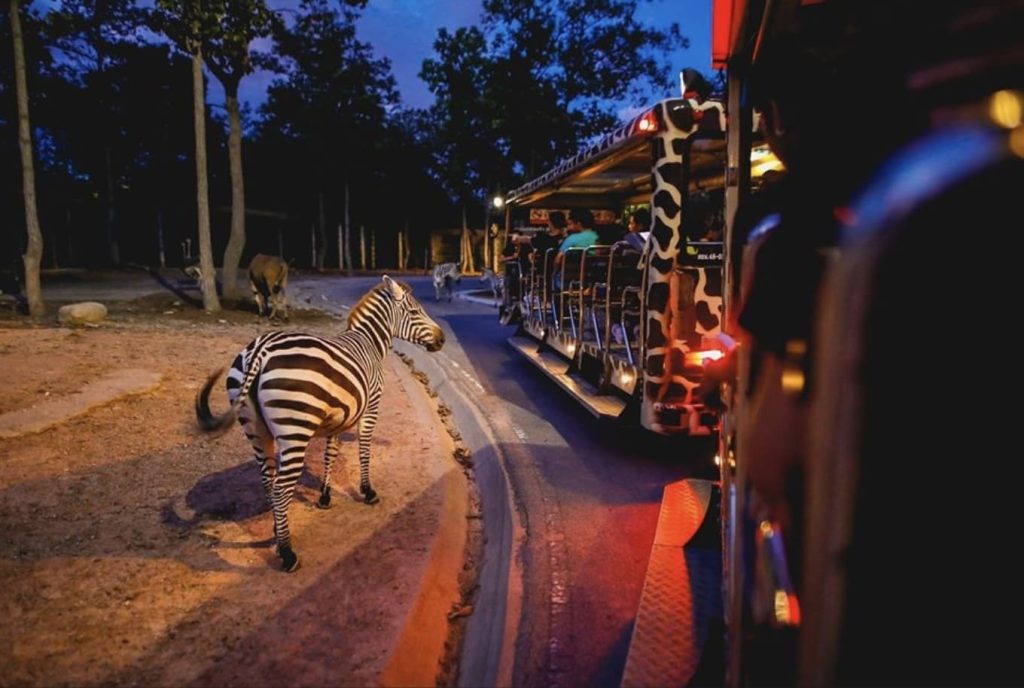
{"x": 466, "y": 261}
{"x": 208, "y": 283}
{"x": 408, "y": 250}
{"x": 34, "y": 251}
{"x": 321, "y": 249}
{"x": 236, "y": 242}
{"x": 108, "y": 172}
{"x": 347, "y": 252}
{"x": 362, "y": 247}
{"x": 401, "y": 250}
{"x": 344, "y": 255}
{"x": 160, "y": 237}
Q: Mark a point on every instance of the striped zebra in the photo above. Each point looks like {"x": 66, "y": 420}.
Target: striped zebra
{"x": 444, "y": 275}
{"x": 286, "y": 388}
{"x": 495, "y": 281}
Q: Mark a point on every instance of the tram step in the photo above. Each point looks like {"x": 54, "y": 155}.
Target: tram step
{"x": 681, "y": 604}
{"x": 557, "y": 368}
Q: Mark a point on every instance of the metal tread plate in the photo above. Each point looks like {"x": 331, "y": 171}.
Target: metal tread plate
{"x": 681, "y": 593}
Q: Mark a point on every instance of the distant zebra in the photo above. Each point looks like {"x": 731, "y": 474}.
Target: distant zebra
{"x": 496, "y": 283}
{"x": 444, "y": 275}
{"x": 287, "y": 387}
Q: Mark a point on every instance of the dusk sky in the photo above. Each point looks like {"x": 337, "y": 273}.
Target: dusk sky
{"x": 404, "y": 30}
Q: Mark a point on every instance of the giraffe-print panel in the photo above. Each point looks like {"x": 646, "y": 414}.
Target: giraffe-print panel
{"x": 682, "y": 304}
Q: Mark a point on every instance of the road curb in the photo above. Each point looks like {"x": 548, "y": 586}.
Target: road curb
{"x": 488, "y": 650}
{"x": 423, "y": 654}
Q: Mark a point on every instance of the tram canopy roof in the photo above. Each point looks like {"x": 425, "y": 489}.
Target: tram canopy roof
{"x": 615, "y": 170}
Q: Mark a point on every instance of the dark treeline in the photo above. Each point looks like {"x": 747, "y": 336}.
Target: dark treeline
{"x": 330, "y": 149}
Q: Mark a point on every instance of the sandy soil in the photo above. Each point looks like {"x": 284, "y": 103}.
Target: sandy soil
{"x": 135, "y": 552}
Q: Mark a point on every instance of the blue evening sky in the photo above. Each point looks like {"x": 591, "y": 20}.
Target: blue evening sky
{"x": 404, "y": 31}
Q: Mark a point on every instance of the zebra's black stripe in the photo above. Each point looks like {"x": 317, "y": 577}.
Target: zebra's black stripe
{"x": 288, "y": 387}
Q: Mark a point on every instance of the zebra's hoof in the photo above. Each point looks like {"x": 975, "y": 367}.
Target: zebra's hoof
{"x": 370, "y": 496}
{"x": 325, "y": 501}
{"x": 289, "y": 561}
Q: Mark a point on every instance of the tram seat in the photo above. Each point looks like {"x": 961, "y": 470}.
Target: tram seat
{"x": 910, "y": 520}
{"x": 623, "y": 273}
{"x": 512, "y": 293}
{"x": 584, "y": 271}
{"x": 593, "y": 292}
{"x": 544, "y": 287}
{"x": 571, "y": 287}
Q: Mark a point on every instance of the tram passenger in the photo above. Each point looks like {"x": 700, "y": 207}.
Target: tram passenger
{"x": 639, "y": 230}
{"x": 552, "y": 238}
{"x": 581, "y": 235}
{"x": 532, "y": 249}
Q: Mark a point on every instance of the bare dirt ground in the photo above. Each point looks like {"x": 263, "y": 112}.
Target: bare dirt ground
{"x": 135, "y": 552}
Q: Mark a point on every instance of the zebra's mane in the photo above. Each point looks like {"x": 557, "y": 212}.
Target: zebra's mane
{"x": 379, "y": 291}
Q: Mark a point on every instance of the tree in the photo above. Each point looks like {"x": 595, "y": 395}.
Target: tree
{"x": 468, "y": 157}
{"x": 186, "y": 23}
{"x": 34, "y": 253}
{"x": 229, "y": 59}
{"x": 525, "y": 90}
{"x": 561, "y": 69}
{"x": 330, "y": 107}
{"x": 91, "y": 36}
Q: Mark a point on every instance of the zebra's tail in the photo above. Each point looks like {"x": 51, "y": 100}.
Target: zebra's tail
{"x": 208, "y": 422}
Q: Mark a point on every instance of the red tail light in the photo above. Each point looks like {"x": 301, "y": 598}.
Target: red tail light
{"x": 646, "y": 124}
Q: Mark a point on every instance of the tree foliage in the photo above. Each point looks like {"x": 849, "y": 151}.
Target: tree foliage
{"x": 538, "y": 79}
{"x": 110, "y": 90}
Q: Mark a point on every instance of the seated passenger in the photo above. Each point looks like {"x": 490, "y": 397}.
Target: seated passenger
{"x": 536, "y": 245}
{"x": 581, "y": 235}
{"x": 639, "y": 230}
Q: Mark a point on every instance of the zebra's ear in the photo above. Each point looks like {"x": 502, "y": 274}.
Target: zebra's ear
{"x": 394, "y": 288}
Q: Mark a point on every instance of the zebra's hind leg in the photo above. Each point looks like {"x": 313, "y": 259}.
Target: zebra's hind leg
{"x": 262, "y": 448}
{"x": 291, "y": 454}
{"x": 330, "y": 454}
{"x": 367, "y": 424}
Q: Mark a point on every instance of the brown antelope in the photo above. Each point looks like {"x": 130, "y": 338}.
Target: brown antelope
{"x": 268, "y": 277}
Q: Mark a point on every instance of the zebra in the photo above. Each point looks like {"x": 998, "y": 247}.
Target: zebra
{"x": 287, "y": 387}
{"x": 444, "y": 275}
{"x": 496, "y": 283}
